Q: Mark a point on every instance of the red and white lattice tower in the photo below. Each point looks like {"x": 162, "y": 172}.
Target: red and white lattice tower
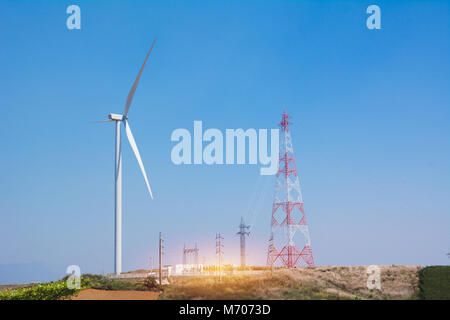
{"x": 288, "y": 215}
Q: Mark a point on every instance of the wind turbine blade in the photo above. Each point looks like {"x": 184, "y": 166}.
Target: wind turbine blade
{"x": 135, "y": 84}
{"x": 136, "y": 153}
{"x": 109, "y": 120}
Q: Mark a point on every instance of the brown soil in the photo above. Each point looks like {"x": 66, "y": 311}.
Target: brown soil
{"x": 94, "y": 294}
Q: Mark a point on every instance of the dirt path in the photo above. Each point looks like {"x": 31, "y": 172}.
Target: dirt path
{"x": 94, "y": 294}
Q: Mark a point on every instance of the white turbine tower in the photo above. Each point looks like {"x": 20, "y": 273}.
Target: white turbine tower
{"x": 122, "y": 118}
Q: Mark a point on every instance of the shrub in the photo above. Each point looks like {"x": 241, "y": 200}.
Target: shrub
{"x": 46, "y": 291}
{"x": 100, "y": 282}
{"x": 151, "y": 284}
{"x": 434, "y": 283}
{"x": 103, "y": 283}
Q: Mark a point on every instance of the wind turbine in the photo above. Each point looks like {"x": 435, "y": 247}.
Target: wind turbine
{"x": 118, "y": 119}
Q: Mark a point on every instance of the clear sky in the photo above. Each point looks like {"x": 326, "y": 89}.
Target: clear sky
{"x": 371, "y": 131}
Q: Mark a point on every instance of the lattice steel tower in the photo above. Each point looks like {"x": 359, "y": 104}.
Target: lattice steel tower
{"x": 243, "y": 232}
{"x": 189, "y": 253}
{"x": 288, "y": 215}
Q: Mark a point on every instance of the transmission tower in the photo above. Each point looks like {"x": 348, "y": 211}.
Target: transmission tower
{"x": 190, "y": 254}
{"x": 288, "y": 215}
{"x": 242, "y": 232}
{"x": 196, "y": 255}
{"x": 219, "y": 252}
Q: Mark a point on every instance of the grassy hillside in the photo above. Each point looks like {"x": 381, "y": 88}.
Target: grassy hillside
{"x": 397, "y": 282}
{"x": 332, "y": 282}
{"x": 435, "y": 283}
{"x": 59, "y": 290}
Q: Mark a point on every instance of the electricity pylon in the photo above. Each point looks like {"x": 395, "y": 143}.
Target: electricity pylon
{"x": 242, "y": 232}
{"x": 288, "y": 215}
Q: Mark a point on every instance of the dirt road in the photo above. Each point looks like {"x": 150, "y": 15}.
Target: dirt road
{"x": 94, "y": 294}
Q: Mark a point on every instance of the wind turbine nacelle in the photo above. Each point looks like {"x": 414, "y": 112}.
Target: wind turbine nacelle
{"x": 117, "y": 117}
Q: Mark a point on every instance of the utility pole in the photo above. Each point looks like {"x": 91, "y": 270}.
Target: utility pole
{"x": 271, "y": 254}
{"x": 242, "y": 232}
{"x": 219, "y": 252}
{"x": 160, "y": 258}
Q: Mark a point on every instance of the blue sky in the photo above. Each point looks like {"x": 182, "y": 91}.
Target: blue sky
{"x": 371, "y": 129}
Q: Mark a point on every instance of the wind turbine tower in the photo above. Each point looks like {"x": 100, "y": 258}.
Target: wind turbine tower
{"x": 242, "y": 232}
{"x": 123, "y": 119}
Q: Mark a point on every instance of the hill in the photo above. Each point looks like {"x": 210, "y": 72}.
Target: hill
{"x": 330, "y": 282}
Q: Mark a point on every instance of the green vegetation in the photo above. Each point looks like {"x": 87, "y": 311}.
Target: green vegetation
{"x": 434, "y": 283}
{"x": 46, "y": 291}
{"x": 59, "y": 290}
{"x": 102, "y": 283}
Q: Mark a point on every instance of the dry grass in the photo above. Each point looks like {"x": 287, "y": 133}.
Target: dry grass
{"x": 94, "y": 294}
{"x": 397, "y": 282}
